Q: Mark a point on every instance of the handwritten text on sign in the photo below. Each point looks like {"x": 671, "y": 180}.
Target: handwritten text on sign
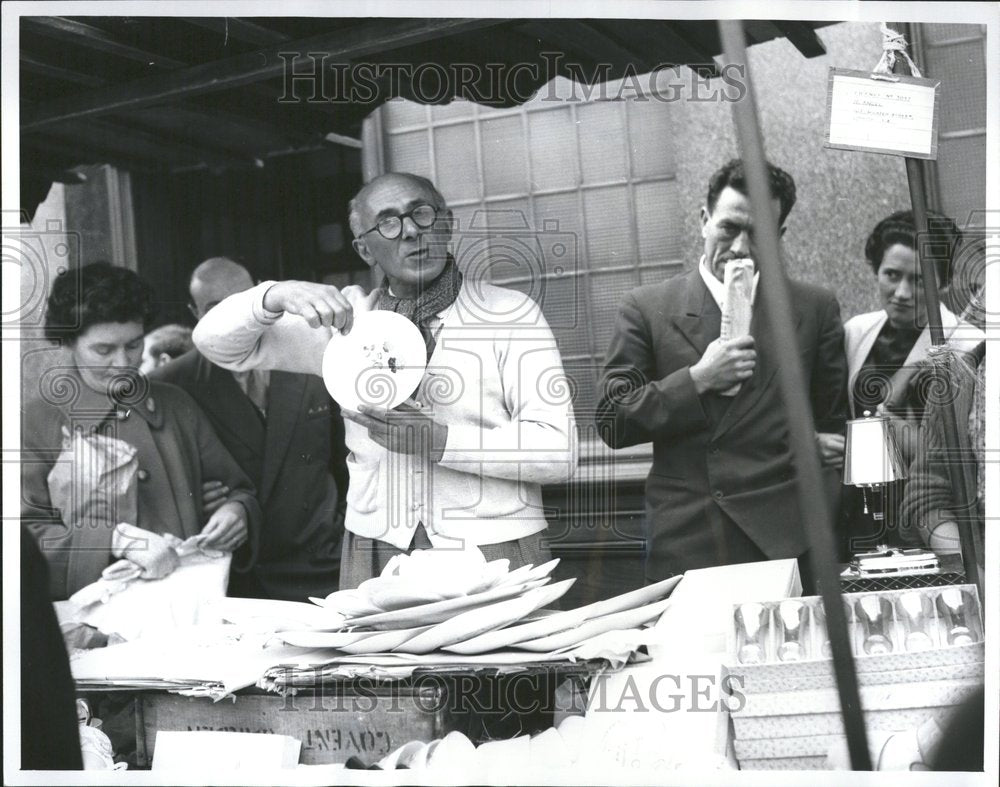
{"x": 883, "y": 117}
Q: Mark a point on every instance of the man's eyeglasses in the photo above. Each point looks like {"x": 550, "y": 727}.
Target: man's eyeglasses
{"x": 391, "y": 227}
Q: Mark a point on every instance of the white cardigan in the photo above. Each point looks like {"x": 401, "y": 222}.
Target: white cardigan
{"x": 861, "y": 331}
{"x": 495, "y": 379}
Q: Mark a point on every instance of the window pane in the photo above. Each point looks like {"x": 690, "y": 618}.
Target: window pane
{"x": 504, "y": 164}
{"x": 410, "y": 152}
{"x": 455, "y": 156}
{"x": 610, "y": 236}
{"x": 459, "y": 108}
{"x": 400, "y": 112}
{"x": 602, "y": 134}
{"x": 552, "y": 140}
{"x": 658, "y": 216}
{"x": 606, "y": 293}
{"x": 649, "y": 133}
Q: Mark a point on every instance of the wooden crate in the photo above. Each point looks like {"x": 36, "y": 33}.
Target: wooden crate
{"x": 369, "y": 719}
{"x": 332, "y": 725}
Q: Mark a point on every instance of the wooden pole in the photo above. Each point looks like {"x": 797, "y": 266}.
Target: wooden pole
{"x": 817, "y": 520}
{"x": 962, "y": 484}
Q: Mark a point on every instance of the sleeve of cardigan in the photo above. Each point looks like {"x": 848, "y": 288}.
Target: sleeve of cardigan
{"x": 240, "y": 334}
{"x": 537, "y": 439}
{"x": 927, "y": 497}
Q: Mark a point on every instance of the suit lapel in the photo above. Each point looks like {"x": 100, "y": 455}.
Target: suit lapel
{"x": 231, "y": 410}
{"x": 284, "y": 405}
{"x": 700, "y": 320}
{"x": 856, "y": 359}
{"x": 762, "y": 380}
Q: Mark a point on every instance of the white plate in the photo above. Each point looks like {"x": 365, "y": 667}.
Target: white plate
{"x": 311, "y": 638}
{"x": 267, "y": 614}
{"x": 383, "y": 641}
{"x": 630, "y": 618}
{"x": 529, "y": 572}
{"x": 379, "y": 363}
{"x": 482, "y": 619}
{"x": 387, "y": 592}
{"x": 561, "y": 621}
{"x": 438, "y": 611}
{"x": 346, "y": 603}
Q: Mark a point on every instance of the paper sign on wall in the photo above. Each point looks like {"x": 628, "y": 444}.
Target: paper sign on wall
{"x": 898, "y": 117}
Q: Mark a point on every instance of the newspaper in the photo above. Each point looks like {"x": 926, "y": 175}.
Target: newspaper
{"x": 737, "y": 309}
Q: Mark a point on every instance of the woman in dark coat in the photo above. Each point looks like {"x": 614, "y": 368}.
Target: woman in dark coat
{"x": 100, "y": 313}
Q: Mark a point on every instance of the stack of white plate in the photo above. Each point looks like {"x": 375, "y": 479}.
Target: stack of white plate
{"x": 429, "y": 601}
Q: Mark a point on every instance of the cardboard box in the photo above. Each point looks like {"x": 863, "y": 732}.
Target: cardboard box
{"x": 791, "y": 725}
{"x": 786, "y": 714}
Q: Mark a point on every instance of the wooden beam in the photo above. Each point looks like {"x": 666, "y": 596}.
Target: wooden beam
{"x": 567, "y": 38}
{"x": 52, "y": 148}
{"x": 315, "y": 116}
{"x": 803, "y": 37}
{"x": 63, "y": 29}
{"x": 238, "y": 29}
{"x": 666, "y": 45}
{"x": 372, "y": 37}
{"x": 62, "y": 149}
{"x": 102, "y": 135}
{"x": 34, "y": 66}
{"x": 614, "y": 49}
{"x": 299, "y": 131}
{"x": 231, "y": 136}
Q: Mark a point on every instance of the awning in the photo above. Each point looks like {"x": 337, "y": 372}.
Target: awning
{"x": 170, "y": 93}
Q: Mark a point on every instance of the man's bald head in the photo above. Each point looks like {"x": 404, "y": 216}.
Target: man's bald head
{"x": 215, "y": 280}
{"x": 358, "y": 206}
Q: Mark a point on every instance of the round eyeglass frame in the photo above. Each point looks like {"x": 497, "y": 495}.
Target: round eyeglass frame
{"x": 396, "y": 222}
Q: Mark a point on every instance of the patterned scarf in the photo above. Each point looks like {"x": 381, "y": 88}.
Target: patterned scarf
{"x": 435, "y": 298}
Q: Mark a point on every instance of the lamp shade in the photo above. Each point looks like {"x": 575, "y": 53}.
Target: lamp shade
{"x": 871, "y": 456}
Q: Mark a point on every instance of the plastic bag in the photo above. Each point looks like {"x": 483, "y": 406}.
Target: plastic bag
{"x": 93, "y": 482}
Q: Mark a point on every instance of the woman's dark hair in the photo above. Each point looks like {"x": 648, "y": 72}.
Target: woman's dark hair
{"x": 95, "y": 294}
{"x": 942, "y": 240}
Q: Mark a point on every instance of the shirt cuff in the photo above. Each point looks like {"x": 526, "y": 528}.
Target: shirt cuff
{"x": 262, "y": 315}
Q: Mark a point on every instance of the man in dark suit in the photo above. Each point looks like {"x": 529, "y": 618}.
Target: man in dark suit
{"x": 722, "y": 486}
{"x": 287, "y": 435}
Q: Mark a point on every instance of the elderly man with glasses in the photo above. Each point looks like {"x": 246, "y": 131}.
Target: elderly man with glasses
{"x": 461, "y": 464}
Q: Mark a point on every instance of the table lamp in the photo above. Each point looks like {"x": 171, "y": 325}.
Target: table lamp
{"x": 872, "y": 458}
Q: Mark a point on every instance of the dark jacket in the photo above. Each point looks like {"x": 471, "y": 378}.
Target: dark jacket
{"x": 177, "y": 450}
{"x": 718, "y": 462}
{"x": 50, "y": 733}
{"x": 288, "y": 456}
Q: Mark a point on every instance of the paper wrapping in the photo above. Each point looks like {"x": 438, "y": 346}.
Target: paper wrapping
{"x": 93, "y": 482}
{"x": 737, "y": 309}
{"x": 132, "y": 607}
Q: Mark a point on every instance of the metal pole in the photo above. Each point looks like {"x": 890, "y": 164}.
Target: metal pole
{"x": 816, "y": 517}
{"x": 962, "y": 485}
